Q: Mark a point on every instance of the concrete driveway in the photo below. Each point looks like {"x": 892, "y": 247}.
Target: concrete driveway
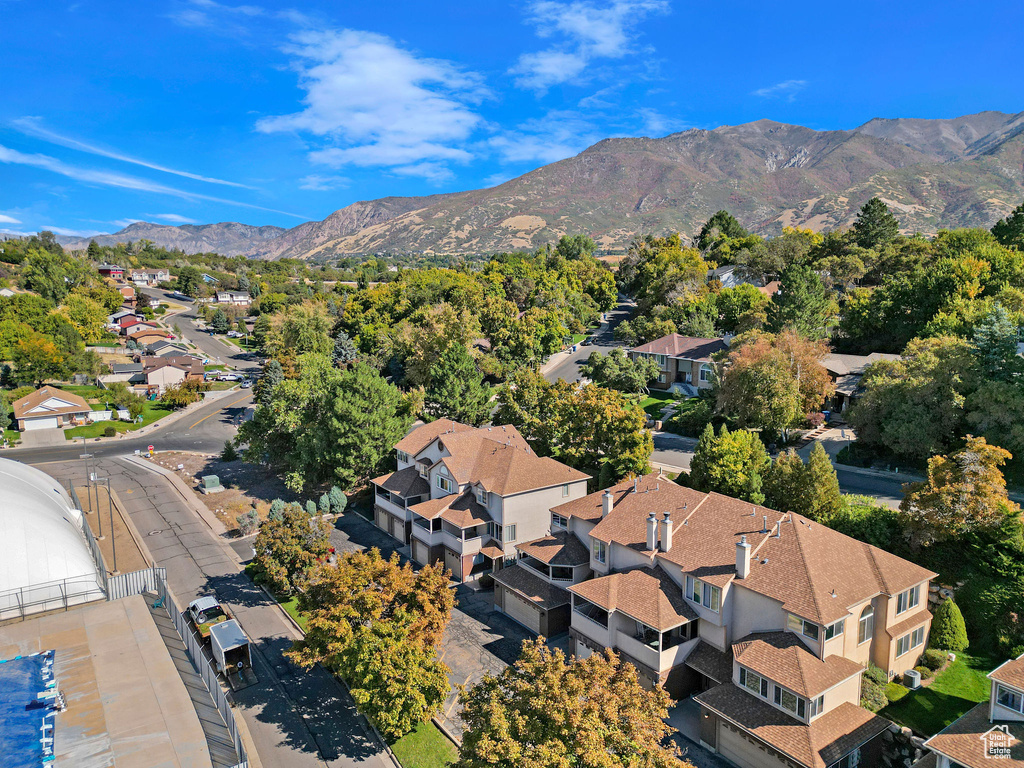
{"x": 42, "y": 438}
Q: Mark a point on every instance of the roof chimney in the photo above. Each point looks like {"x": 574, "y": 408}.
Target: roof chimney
{"x": 666, "y": 532}
{"x": 652, "y": 533}
{"x": 742, "y": 558}
{"x": 606, "y": 503}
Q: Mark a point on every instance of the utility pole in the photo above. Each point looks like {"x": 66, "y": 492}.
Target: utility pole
{"x": 110, "y": 510}
{"x": 88, "y": 489}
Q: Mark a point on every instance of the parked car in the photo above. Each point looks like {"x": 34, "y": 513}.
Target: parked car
{"x": 229, "y": 377}
{"x": 205, "y": 612}
{"x": 247, "y": 384}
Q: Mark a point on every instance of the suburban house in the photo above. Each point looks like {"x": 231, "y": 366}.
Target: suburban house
{"x": 126, "y": 320}
{"x": 146, "y": 333}
{"x": 464, "y": 496}
{"x": 684, "y": 361}
{"x": 126, "y": 373}
{"x": 49, "y": 408}
{"x": 149, "y": 277}
{"x": 990, "y": 734}
{"x": 846, "y": 371}
{"x": 766, "y": 618}
{"x": 127, "y": 295}
{"x": 111, "y": 270}
{"x": 165, "y": 348}
{"x": 163, "y": 372}
{"x": 235, "y": 298}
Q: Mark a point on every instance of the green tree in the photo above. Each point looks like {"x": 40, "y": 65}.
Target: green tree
{"x": 289, "y": 549}
{"x": 344, "y": 349}
{"x": 575, "y": 247}
{"x": 52, "y": 275}
{"x": 219, "y": 322}
{"x": 93, "y": 252}
{"x": 994, "y": 342}
{"x": 546, "y": 710}
{"x": 802, "y": 303}
{"x": 338, "y": 500}
{"x": 875, "y": 226}
{"x": 88, "y": 317}
{"x": 37, "y": 359}
{"x": 822, "y": 498}
{"x": 721, "y": 225}
{"x": 188, "y": 281}
{"x": 5, "y": 412}
{"x": 456, "y": 389}
{"x": 948, "y": 633}
{"x": 1010, "y": 231}
{"x": 273, "y": 375}
{"x": 618, "y": 371}
{"x": 965, "y": 492}
{"x": 731, "y": 463}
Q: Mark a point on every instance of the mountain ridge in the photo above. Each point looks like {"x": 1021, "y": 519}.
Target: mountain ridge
{"x": 934, "y": 173}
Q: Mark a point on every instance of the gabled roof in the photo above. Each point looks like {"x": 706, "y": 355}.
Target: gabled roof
{"x": 843, "y": 365}
{"x": 48, "y": 401}
{"x": 558, "y": 548}
{"x": 122, "y": 368}
{"x": 405, "y": 482}
{"x": 782, "y": 657}
{"x": 461, "y": 510}
{"x": 812, "y": 570}
{"x": 1010, "y": 673}
{"x": 187, "y": 363}
{"x": 646, "y": 594}
{"x": 816, "y": 745}
{"x": 962, "y": 742}
{"x": 684, "y": 347}
{"x": 531, "y": 586}
{"x": 423, "y": 435}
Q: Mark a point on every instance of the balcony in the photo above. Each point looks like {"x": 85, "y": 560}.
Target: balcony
{"x": 466, "y": 541}
{"x": 555, "y": 574}
{"x": 638, "y": 649}
{"x": 427, "y": 531}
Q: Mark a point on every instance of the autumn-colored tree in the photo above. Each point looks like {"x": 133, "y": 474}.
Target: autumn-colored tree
{"x": 546, "y": 711}
{"x": 965, "y": 492}
{"x": 288, "y": 549}
{"x": 37, "y": 359}
{"x": 731, "y": 463}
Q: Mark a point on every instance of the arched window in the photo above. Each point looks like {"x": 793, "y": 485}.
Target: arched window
{"x": 866, "y": 629}
{"x": 705, "y": 372}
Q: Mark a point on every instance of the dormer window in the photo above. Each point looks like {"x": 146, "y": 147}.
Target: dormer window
{"x": 481, "y": 495}
{"x": 424, "y": 469}
{"x": 754, "y": 683}
{"x": 1006, "y": 697}
{"x": 835, "y": 629}
{"x": 791, "y": 702}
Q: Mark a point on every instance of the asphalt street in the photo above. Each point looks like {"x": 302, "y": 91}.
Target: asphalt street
{"x": 604, "y": 341}
{"x": 296, "y": 718}
{"x": 215, "y": 348}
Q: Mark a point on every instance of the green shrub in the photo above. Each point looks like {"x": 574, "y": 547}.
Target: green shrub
{"x": 933, "y": 658}
{"x": 486, "y": 581}
{"x": 109, "y": 431}
{"x": 325, "y": 504}
{"x": 872, "y": 695}
{"x": 248, "y": 522}
{"x": 876, "y": 675}
{"x": 924, "y": 672}
{"x": 276, "y": 510}
{"x": 338, "y": 500}
{"x": 229, "y": 453}
{"x": 948, "y": 629}
{"x": 693, "y": 416}
{"x": 895, "y": 692}
{"x": 311, "y": 508}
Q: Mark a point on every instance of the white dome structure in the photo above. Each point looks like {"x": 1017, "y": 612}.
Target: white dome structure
{"x": 45, "y": 561}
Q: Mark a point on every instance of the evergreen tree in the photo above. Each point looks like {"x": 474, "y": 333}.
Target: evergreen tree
{"x": 456, "y": 389}
{"x": 994, "y": 343}
{"x": 1010, "y": 231}
{"x": 731, "y": 463}
{"x": 344, "y": 349}
{"x": 802, "y": 303}
{"x": 94, "y": 252}
{"x": 273, "y": 374}
{"x": 338, "y": 500}
{"x": 722, "y": 224}
{"x": 277, "y": 508}
{"x": 785, "y": 482}
{"x": 949, "y": 633}
{"x": 219, "y": 322}
{"x": 875, "y": 226}
{"x": 823, "y": 498}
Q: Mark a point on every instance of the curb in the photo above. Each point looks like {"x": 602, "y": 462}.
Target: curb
{"x": 215, "y": 525}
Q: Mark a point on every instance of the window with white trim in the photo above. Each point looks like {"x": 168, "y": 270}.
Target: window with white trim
{"x": 508, "y": 534}
{"x": 600, "y": 551}
{"x": 403, "y": 457}
{"x": 705, "y": 373}
{"x": 446, "y": 484}
{"x": 703, "y": 594}
{"x": 790, "y": 701}
{"x": 902, "y": 645}
{"x": 802, "y": 626}
{"x": 907, "y": 600}
{"x": 835, "y": 629}
{"x": 866, "y": 625}
{"x": 917, "y": 637}
{"x": 817, "y": 706}
{"x": 1005, "y": 697}
{"x": 481, "y": 496}
{"x": 754, "y": 683}
{"x": 565, "y": 489}
{"x": 559, "y": 521}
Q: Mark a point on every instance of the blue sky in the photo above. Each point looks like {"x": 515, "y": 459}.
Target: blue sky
{"x": 200, "y": 111}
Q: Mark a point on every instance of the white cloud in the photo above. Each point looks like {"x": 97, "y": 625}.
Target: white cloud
{"x": 589, "y": 31}
{"x": 30, "y": 127}
{"x": 15, "y": 233}
{"x": 376, "y": 104}
{"x": 171, "y": 218}
{"x": 497, "y": 179}
{"x": 122, "y": 223}
{"x": 319, "y": 183}
{"x": 71, "y": 232}
{"x": 5, "y": 219}
{"x": 787, "y": 89}
{"x": 556, "y": 136}
{"x": 229, "y": 19}
{"x": 656, "y": 124}
{"x": 118, "y": 180}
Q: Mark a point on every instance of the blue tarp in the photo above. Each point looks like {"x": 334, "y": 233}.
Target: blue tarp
{"x": 27, "y": 692}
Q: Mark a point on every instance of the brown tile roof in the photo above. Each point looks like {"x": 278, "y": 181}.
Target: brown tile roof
{"x": 816, "y": 745}
{"x": 961, "y": 740}
{"x": 423, "y": 435}
{"x": 646, "y": 594}
{"x": 191, "y": 365}
{"x": 685, "y": 347}
{"x": 782, "y": 657}
{"x": 711, "y": 662}
{"x": 531, "y": 586}
{"x": 461, "y": 510}
{"x": 913, "y": 622}
{"x": 500, "y": 460}
{"x": 814, "y": 571}
{"x": 405, "y": 482}
{"x": 492, "y": 550}
{"x": 1010, "y": 672}
{"x": 559, "y": 548}
{"x": 23, "y": 405}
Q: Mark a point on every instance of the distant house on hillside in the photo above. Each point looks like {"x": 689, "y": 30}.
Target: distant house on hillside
{"x": 684, "y": 361}
{"x": 111, "y": 270}
{"x": 149, "y": 277}
{"x": 846, "y": 372}
{"x": 235, "y": 298}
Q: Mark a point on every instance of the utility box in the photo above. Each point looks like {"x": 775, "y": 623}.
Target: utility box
{"x": 912, "y": 679}
{"x": 211, "y": 484}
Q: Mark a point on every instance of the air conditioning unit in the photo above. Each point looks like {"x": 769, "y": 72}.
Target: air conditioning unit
{"x": 912, "y": 679}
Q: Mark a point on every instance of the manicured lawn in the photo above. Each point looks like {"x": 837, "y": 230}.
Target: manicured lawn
{"x": 956, "y": 690}
{"x": 654, "y": 402}
{"x": 291, "y": 605}
{"x": 12, "y": 435}
{"x": 215, "y": 367}
{"x": 425, "y": 747}
{"x": 151, "y": 411}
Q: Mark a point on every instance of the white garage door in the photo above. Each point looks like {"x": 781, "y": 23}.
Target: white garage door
{"x": 738, "y": 749}
{"x": 50, "y": 423}
{"x": 420, "y": 551}
{"x": 582, "y": 651}
{"x": 454, "y": 564}
{"x": 522, "y": 611}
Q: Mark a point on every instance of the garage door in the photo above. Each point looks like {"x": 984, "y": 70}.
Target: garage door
{"x": 582, "y": 651}
{"x": 734, "y": 747}
{"x": 522, "y": 611}
{"x": 452, "y": 563}
{"x": 50, "y": 423}
{"x": 420, "y": 551}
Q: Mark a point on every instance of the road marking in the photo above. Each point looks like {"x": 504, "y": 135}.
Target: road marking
{"x": 193, "y": 426}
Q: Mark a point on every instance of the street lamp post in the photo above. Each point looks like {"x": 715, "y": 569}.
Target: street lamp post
{"x": 110, "y": 510}
{"x": 88, "y": 490}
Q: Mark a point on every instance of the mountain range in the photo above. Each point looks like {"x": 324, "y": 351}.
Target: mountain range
{"x": 933, "y": 174}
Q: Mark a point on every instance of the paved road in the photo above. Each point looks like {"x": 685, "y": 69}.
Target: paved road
{"x": 296, "y": 718}
{"x": 569, "y": 367}
{"x": 212, "y": 346}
